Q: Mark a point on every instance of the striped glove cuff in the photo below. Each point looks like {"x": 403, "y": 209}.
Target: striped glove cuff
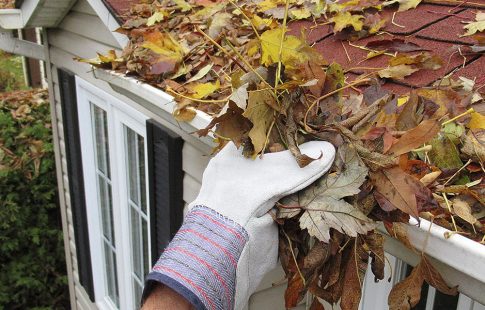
{"x": 200, "y": 263}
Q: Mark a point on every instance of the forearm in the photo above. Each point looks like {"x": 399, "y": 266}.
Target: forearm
{"x": 164, "y": 298}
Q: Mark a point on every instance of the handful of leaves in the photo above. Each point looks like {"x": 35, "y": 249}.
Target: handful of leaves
{"x": 415, "y": 155}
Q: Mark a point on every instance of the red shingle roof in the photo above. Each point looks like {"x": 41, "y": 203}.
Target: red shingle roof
{"x": 119, "y": 8}
{"x": 433, "y": 27}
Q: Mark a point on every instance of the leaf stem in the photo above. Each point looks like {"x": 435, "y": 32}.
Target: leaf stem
{"x": 469, "y": 111}
{"x": 280, "y": 51}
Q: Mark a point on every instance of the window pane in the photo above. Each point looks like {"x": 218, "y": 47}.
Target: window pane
{"x": 105, "y": 200}
{"x": 111, "y": 275}
{"x": 146, "y": 258}
{"x": 136, "y": 179}
{"x": 101, "y": 139}
{"x": 135, "y": 242}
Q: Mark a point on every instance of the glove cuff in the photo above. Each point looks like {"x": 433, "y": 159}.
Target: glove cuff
{"x": 200, "y": 263}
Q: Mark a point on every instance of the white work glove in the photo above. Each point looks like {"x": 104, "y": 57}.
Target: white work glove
{"x": 228, "y": 241}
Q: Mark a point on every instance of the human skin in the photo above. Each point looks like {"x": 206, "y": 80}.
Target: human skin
{"x": 164, "y": 298}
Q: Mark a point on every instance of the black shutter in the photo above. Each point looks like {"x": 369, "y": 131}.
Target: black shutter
{"x": 165, "y": 179}
{"x": 67, "y": 86}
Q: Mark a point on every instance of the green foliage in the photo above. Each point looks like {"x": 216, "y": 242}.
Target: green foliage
{"x": 11, "y": 72}
{"x": 32, "y": 266}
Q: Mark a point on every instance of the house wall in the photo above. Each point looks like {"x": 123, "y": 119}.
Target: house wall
{"x": 81, "y": 34}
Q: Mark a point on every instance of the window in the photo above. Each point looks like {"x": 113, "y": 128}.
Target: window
{"x": 115, "y": 175}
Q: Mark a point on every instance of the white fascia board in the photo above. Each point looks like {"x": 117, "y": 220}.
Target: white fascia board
{"x": 109, "y": 21}
{"x": 459, "y": 259}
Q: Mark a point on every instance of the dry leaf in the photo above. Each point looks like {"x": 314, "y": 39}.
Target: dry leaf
{"x": 477, "y": 26}
{"x": 343, "y": 20}
{"x": 407, "y": 293}
{"x": 463, "y": 210}
{"x": 416, "y": 137}
{"x": 398, "y": 72}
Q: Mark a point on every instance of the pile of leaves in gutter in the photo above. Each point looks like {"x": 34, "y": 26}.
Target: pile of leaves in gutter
{"x": 418, "y": 155}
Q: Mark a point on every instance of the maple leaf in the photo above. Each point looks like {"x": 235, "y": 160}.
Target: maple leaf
{"x": 345, "y": 19}
{"x": 404, "y": 5}
{"x": 157, "y": 17}
{"x": 477, "y": 26}
{"x": 323, "y": 203}
{"x": 294, "y": 50}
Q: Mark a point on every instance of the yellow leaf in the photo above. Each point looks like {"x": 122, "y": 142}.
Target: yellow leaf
{"x": 156, "y": 17}
{"x": 269, "y": 4}
{"x": 294, "y": 50}
{"x": 477, "y": 26}
{"x": 170, "y": 51}
{"x": 404, "y": 5}
{"x": 477, "y": 121}
{"x": 109, "y": 58}
{"x": 402, "y": 100}
{"x": 261, "y": 23}
{"x": 185, "y": 114}
{"x": 397, "y": 72}
{"x": 184, "y": 6}
{"x": 345, "y": 19}
{"x": 300, "y": 13}
{"x": 203, "y": 90}
{"x": 261, "y": 115}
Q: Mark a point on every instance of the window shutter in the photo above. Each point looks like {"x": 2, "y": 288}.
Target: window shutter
{"x": 67, "y": 86}
{"x": 165, "y": 181}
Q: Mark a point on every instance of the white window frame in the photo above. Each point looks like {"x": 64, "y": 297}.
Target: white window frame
{"x": 119, "y": 114}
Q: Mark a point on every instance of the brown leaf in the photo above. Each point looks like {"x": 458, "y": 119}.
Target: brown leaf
{"x": 434, "y": 278}
{"x": 354, "y": 276}
{"x": 293, "y": 291}
{"x": 394, "y": 45}
{"x": 416, "y": 137}
{"x": 399, "y": 188}
{"x": 316, "y": 305}
{"x": 375, "y": 243}
{"x": 399, "y": 232}
{"x": 260, "y": 113}
{"x": 407, "y": 293}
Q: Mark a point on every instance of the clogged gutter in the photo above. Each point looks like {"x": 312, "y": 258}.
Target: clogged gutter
{"x": 416, "y": 155}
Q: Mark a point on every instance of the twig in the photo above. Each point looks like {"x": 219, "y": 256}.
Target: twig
{"x": 249, "y": 20}
{"x": 248, "y": 64}
{"x": 449, "y": 209}
{"x": 221, "y": 48}
{"x": 346, "y": 53}
{"x": 168, "y": 89}
{"x": 294, "y": 258}
{"x": 280, "y": 51}
{"x": 357, "y": 82}
{"x": 394, "y": 23}
{"x": 456, "y": 173}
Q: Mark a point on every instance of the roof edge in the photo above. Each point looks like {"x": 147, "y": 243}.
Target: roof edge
{"x": 109, "y": 19}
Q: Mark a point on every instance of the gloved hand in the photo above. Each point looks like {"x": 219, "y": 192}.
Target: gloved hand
{"x": 228, "y": 233}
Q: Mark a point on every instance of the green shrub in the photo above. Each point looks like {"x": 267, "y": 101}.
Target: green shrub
{"x": 32, "y": 266}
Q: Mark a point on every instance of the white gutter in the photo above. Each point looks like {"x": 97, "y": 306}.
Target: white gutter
{"x": 17, "y": 46}
{"x": 460, "y": 260}
{"x": 11, "y": 19}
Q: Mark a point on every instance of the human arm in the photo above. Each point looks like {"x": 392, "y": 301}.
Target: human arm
{"x": 228, "y": 241}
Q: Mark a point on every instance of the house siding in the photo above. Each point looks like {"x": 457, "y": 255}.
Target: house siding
{"x": 81, "y": 34}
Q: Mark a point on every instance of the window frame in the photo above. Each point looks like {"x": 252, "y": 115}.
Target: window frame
{"x": 119, "y": 115}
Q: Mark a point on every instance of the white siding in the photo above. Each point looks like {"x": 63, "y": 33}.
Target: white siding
{"x": 82, "y": 34}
